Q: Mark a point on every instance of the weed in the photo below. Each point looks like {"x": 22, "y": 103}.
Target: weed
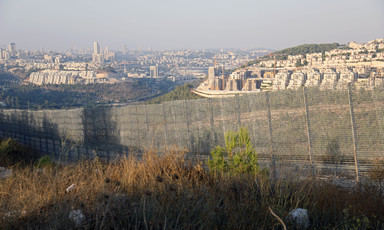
{"x": 12, "y": 153}
{"x": 171, "y": 192}
{"x": 44, "y": 162}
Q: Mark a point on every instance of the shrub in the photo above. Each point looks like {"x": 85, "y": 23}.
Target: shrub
{"x": 333, "y": 152}
{"x": 44, "y": 162}
{"x": 376, "y": 174}
{"x": 238, "y": 156}
{"x": 12, "y": 153}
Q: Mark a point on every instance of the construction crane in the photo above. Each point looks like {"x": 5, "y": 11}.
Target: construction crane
{"x": 274, "y": 66}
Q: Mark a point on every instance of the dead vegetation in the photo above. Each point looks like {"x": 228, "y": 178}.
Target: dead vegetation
{"x": 170, "y": 192}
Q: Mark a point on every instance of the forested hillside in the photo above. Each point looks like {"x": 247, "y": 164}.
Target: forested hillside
{"x": 182, "y": 92}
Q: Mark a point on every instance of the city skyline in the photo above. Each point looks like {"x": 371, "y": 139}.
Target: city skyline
{"x": 174, "y": 24}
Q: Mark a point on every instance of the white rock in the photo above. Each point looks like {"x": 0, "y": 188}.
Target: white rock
{"x": 299, "y": 217}
{"x": 14, "y": 214}
{"x": 77, "y": 217}
{"x": 70, "y": 188}
{"x": 5, "y": 173}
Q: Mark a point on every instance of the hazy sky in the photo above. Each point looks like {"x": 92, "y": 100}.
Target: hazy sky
{"x": 174, "y": 24}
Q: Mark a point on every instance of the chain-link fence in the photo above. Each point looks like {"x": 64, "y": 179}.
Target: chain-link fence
{"x": 334, "y": 132}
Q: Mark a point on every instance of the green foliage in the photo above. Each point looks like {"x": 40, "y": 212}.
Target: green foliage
{"x": 33, "y": 97}
{"x": 298, "y": 63}
{"x": 376, "y": 174}
{"x": 308, "y": 48}
{"x": 333, "y": 148}
{"x": 12, "y": 153}
{"x": 6, "y": 147}
{"x": 80, "y": 95}
{"x": 44, "y": 162}
{"x": 31, "y": 71}
{"x": 299, "y": 50}
{"x": 354, "y": 222}
{"x": 109, "y": 68}
{"x": 238, "y": 156}
{"x": 182, "y": 92}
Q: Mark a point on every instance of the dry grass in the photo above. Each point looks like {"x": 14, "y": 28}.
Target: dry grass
{"x": 169, "y": 192}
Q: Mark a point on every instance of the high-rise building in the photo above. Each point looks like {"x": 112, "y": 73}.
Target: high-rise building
{"x": 154, "y": 71}
{"x": 96, "y": 48}
{"x": 106, "y": 51}
{"x": 125, "y": 49}
{"x": 211, "y": 72}
{"x": 6, "y": 55}
{"x": 97, "y": 57}
{"x": 12, "y": 49}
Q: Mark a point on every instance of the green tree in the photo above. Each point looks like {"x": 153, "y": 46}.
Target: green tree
{"x": 237, "y": 157}
{"x": 182, "y": 92}
{"x": 298, "y": 63}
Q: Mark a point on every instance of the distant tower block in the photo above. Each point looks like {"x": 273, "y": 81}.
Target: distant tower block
{"x": 378, "y": 77}
{"x": 106, "y": 52}
{"x": 12, "y": 49}
{"x": 280, "y": 81}
{"x": 313, "y": 79}
{"x": 329, "y": 80}
{"x": 97, "y": 57}
{"x": 268, "y": 75}
{"x": 154, "y": 71}
{"x": 96, "y": 48}
{"x": 252, "y": 84}
{"x": 211, "y": 72}
{"x": 346, "y": 77}
{"x": 214, "y": 81}
{"x": 233, "y": 85}
{"x": 297, "y": 80}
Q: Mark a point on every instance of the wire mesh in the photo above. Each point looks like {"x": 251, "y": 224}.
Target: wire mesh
{"x": 323, "y": 128}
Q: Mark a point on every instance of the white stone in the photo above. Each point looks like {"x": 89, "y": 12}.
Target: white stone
{"x": 5, "y": 173}
{"x": 299, "y": 217}
{"x": 70, "y": 188}
{"x": 77, "y": 217}
{"x": 14, "y": 213}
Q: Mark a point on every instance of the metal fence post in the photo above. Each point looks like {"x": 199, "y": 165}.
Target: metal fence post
{"x": 379, "y": 114}
{"x": 187, "y": 122}
{"x": 175, "y": 139}
{"x": 165, "y": 127}
{"x": 106, "y": 128}
{"x": 238, "y": 112}
{"x": 353, "y": 128}
{"x": 308, "y": 131}
{"x": 131, "y": 131}
{"x": 40, "y": 138}
{"x": 222, "y": 116}
{"x": 137, "y": 129}
{"x": 212, "y": 121}
{"x": 147, "y": 127}
{"x": 270, "y": 136}
{"x": 86, "y": 150}
{"x": 47, "y": 144}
